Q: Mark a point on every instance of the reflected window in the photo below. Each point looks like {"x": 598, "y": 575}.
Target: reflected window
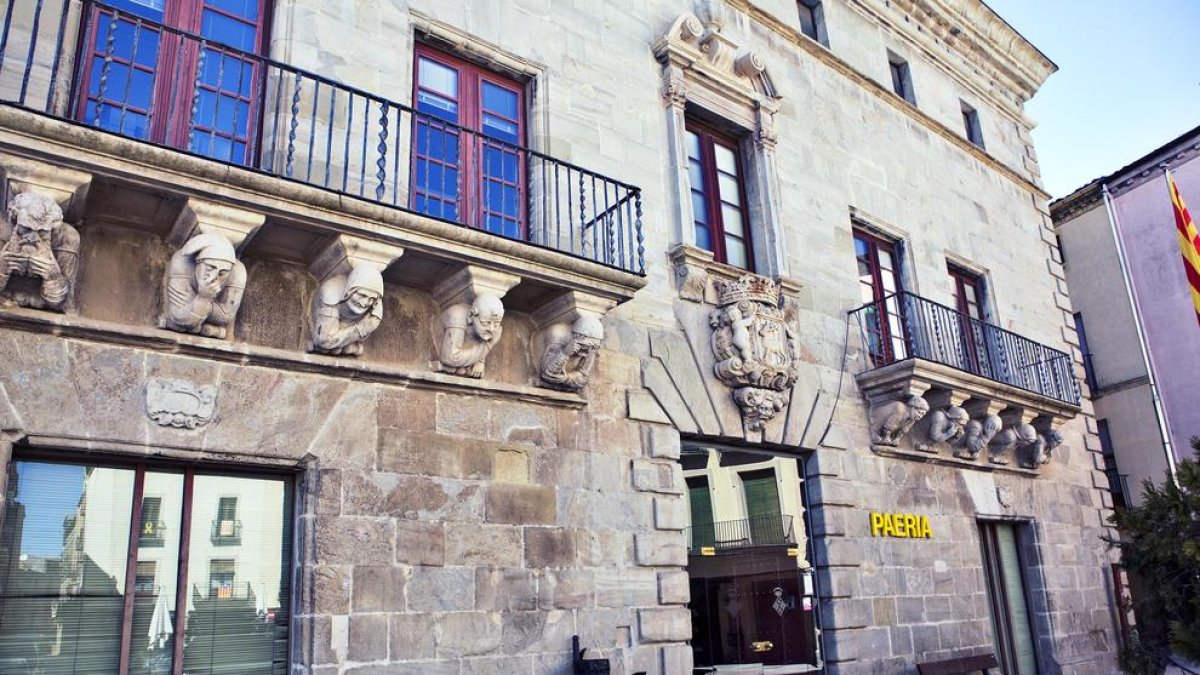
{"x": 752, "y": 595}
{"x": 468, "y": 166}
{"x": 67, "y": 567}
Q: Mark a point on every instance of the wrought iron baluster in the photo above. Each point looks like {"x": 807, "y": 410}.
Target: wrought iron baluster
{"x": 237, "y": 99}
{"x": 362, "y": 162}
{"x": 102, "y": 87}
{"x": 191, "y": 137}
{"x": 275, "y": 120}
{"x": 641, "y": 247}
{"x": 215, "y": 129}
{"x": 557, "y": 207}
{"x": 582, "y": 215}
{"x": 33, "y": 39}
{"x": 346, "y": 144}
{"x": 381, "y": 163}
{"x": 396, "y": 157}
{"x": 312, "y": 130}
{"x": 292, "y": 125}
{"x": 329, "y": 135}
{"x": 597, "y": 243}
{"x": 8, "y": 15}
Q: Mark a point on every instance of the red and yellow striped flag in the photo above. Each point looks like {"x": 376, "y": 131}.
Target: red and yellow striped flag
{"x": 1189, "y": 243}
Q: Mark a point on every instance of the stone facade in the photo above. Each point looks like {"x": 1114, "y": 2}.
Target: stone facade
{"x": 461, "y": 519}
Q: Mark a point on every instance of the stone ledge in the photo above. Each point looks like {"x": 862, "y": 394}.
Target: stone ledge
{"x": 980, "y": 464}
{"x": 62, "y": 325}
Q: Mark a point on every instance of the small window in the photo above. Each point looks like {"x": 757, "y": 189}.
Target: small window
{"x": 901, "y": 78}
{"x": 812, "y": 20}
{"x": 718, "y": 195}
{"x": 1011, "y": 621}
{"x": 968, "y": 292}
{"x": 971, "y": 124}
{"x": 973, "y": 334}
{"x": 227, "y": 529}
{"x": 153, "y": 527}
{"x": 221, "y": 575}
{"x": 1116, "y": 479}
{"x": 146, "y": 574}
{"x": 1089, "y": 372}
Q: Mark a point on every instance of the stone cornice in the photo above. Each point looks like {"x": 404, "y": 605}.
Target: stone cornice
{"x": 824, "y": 55}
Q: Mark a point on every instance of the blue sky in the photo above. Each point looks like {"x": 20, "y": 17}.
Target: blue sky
{"x": 1128, "y": 81}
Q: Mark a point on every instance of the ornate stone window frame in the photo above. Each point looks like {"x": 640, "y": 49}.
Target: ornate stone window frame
{"x": 705, "y": 71}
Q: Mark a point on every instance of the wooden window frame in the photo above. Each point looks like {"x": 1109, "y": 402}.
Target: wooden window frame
{"x": 471, "y": 76}
{"x": 188, "y": 472}
{"x": 176, "y": 56}
{"x": 710, "y": 137}
{"x": 879, "y": 294}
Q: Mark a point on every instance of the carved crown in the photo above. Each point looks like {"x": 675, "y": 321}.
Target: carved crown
{"x": 748, "y": 287}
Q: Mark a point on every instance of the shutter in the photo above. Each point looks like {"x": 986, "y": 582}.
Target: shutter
{"x": 700, "y": 503}
{"x": 63, "y": 555}
{"x": 765, "y": 524}
{"x": 238, "y": 587}
{"x": 1014, "y": 590}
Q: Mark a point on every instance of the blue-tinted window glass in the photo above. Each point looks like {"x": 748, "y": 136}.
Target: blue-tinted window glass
{"x": 247, "y": 9}
{"x": 147, "y": 9}
{"x": 228, "y": 30}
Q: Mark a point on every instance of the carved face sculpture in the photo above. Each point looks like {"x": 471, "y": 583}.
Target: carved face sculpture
{"x": 212, "y": 272}
{"x": 34, "y": 214}
{"x": 364, "y": 288}
{"x": 586, "y": 335}
{"x": 487, "y": 313}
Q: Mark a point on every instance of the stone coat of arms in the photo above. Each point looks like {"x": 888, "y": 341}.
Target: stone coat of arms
{"x": 755, "y": 347}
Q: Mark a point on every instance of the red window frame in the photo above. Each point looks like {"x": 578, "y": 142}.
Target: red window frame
{"x": 471, "y": 199}
{"x": 710, "y": 192}
{"x": 178, "y": 56}
{"x": 968, "y": 286}
{"x": 887, "y": 311}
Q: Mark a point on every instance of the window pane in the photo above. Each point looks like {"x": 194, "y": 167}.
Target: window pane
{"x": 247, "y": 9}
{"x": 699, "y": 207}
{"x": 158, "y": 558}
{"x": 731, "y": 219}
{"x": 228, "y": 30}
{"x": 437, "y": 77}
{"x": 237, "y": 613}
{"x": 693, "y": 146}
{"x": 728, "y": 185}
{"x": 63, "y": 555}
{"x": 735, "y": 252}
{"x": 499, "y": 101}
{"x": 726, "y": 159}
{"x": 703, "y": 237}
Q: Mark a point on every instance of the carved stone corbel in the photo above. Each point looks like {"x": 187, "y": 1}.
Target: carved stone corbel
{"x": 1016, "y": 433}
{"x": 348, "y": 304}
{"x": 946, "y": 425}
{"x": 1039, "y": 452}
{"x": 894, "y": 415}
{"x": 205, "y": 281}
{"x": 470, "y": 323}
{"x": 985, "y": 423}
{"x": 39, "y": 249}
{"x": 691, "y": 271}
{"x": 572, "y": 332}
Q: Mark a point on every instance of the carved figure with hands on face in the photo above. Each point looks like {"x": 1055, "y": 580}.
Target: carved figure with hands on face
{"x": 346, "y": 309}
{"x": 894, "y": 419}
{"x": 468, "y": 334}
{"x": 571, "y": 352}
{"x": 39, "y": 255}
{"x": 203, "y": 287}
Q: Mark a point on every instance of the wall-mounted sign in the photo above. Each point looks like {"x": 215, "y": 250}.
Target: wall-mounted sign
{"x": 905, "y": 525}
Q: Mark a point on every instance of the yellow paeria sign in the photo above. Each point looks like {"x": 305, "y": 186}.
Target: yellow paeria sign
{"x": 904, "y": 525}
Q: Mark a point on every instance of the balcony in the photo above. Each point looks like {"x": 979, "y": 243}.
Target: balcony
{"x": 950, "y": 382}
{"x": 193, "y": 94}
{"x": 226, "y": 532}
{"x": 727, "y": 535}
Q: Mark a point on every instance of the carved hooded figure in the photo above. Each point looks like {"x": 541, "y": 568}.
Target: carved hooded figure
{"x": 346, "y": 309}
{"x": 571, "y": 353}
{"x": 468, "y": 334}
{"x": 39, "y": 255}
{"x": 203, "y": 287}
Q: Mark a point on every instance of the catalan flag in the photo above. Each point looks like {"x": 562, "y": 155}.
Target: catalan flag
{"x": 1189, "y": 243}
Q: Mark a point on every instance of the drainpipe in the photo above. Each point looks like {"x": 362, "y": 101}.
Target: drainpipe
{"x": 1160, "y": 412}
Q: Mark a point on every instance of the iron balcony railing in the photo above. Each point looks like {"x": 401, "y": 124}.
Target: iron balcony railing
{"x": 226, "y": 532}
{"x": 904, "y": 326}
{"x": 769, "y": 530}
{"x": 113, "y": 70}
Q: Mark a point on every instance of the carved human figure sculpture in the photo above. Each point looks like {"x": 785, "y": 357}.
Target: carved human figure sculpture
{"x": 976, "y": 436}
{"x": 468, "y": 334}
{"x": 39, "y": 253}
{"x": 946, "y": 425}
{"x": 1003, "y": 443}
{"x": 891, "y": 420}
{"x": 1040, "y": 451}
{"x": 570, "y": 353}
{"x": 203, "y": 287}
{"x": 346, "y": 309}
